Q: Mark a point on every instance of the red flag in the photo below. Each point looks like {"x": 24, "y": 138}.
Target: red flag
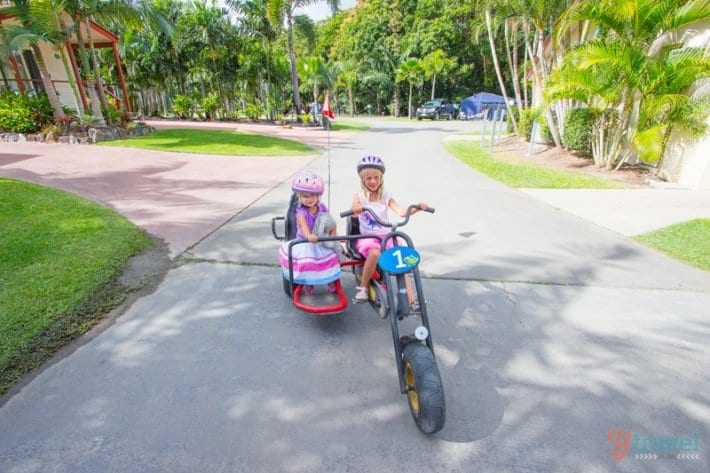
{"x": 326, "y": 108}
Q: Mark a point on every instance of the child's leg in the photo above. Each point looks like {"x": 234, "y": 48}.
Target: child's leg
{"x": 410, "y": 288}
{"x": 369, "y": 267}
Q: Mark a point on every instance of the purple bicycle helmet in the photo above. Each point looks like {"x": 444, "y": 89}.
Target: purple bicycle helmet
{"x": 374, "y": 162}
{"x": 307, "y": 182}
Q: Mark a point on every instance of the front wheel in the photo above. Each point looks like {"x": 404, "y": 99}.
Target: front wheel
{"x": 425, "y": 390}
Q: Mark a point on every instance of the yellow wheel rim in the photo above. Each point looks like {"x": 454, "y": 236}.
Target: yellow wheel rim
{"x": 411, "y": 391}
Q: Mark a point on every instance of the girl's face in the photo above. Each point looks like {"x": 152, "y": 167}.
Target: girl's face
{"x": 309, "y": 200}
{"x": 371, "y": 179}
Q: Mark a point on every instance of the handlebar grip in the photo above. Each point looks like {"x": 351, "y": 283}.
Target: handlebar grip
{"x": 430, "y": 210}
{"x": 346, "y": 213}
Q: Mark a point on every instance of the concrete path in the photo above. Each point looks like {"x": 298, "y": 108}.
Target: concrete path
{"x": 552, "y": 335}
{"x": 629, "y": 211}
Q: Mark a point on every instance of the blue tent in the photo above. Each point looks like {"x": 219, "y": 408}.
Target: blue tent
{"x": 472, "y": 106}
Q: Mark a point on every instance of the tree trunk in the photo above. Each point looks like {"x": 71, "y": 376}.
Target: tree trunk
{"x": 409, "y": 107}
{"x": 97, "y": 73}
{"x": 87, "y": 73}
{"x": 499, "y": 75}
{"x": 48, "y": 86}
{"x": 292, "y": 59}
{"x": 554, "y": 129}
{"x": 512, "y": 53}
{"x": 397, "y": 100}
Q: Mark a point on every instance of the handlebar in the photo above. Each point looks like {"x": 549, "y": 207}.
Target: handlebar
{"x": 407, "y": 214}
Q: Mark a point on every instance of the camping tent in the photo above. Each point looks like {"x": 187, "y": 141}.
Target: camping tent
{"x": 483, "y": 103}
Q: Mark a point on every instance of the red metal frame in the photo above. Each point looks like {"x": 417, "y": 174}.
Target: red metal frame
{"x": 342, "y": 300}
{"x": 325, "y": 309}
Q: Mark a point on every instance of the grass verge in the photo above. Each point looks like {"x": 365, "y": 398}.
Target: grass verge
{"x": 232, "y": 143}
{"x": 522, "y": 175}
{"x": 341, "y": 125}
{"x": 59, "y": 258}
{"x": 688, "y": 242}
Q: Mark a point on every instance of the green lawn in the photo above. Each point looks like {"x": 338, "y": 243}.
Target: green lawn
{"x": 59, "y": 255}
{"x": 233, "y": 143}
{"x": 347, "y": 125}
{"x": 688, "y": 242}
{"x": 522, "y": 175}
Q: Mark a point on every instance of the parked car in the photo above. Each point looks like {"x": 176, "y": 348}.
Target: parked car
{"x": 436, "y": 109}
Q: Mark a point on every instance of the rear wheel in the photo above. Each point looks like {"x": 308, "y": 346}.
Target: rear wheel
{"x": 287, "y": 287}
{"x": 425, "y": 389}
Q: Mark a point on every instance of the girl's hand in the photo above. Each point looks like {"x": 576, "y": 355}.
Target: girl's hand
{"x": 356, "y": 208}
{"x": 423, "y": 206}
{"x": 312, "y": 238}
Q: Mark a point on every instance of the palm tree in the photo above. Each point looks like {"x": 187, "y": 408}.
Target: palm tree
{"x": 496, "y": 65}
{"x": 30, "y": 33}
{"x": 279, "y": 10}
{"x": 347, "y": 77}
{"x": 436, "y": 63}
{"x": 632, "y": 58}
{"x": 134, "y": 13}
{"x": 310, "y": 71}
{"x": 410, "y": 71}
{"x": 254, "y": 23}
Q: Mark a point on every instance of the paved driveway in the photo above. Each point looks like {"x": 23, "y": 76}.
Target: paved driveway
{"x": 551, "y": 332}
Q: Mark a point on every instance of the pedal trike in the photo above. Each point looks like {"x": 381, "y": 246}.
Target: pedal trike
{"x": 419, "y": 376}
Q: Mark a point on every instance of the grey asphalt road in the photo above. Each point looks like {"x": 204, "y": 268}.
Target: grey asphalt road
{"x": 552, "y": 336}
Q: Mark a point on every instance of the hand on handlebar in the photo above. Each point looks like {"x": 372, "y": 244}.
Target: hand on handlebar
{"x": 356, "y": 208}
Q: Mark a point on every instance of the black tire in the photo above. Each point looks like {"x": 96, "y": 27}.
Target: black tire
{"x": 426, "y": 392}
{"x": 287, "y": 287}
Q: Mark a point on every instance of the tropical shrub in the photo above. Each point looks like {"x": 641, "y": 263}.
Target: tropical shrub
{"x": 210, "y": 104}
{"x": 183, "y": 106}
{"x": 20, "y": 114}
{"x": 577, "y": 135}
{"x": 526, "y": 122}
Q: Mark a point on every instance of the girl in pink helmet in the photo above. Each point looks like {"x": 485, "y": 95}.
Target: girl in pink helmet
{"x": 313, "y": 264}
{"x": 371, "y": 170}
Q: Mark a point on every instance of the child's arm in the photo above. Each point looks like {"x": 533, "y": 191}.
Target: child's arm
{"x": 401, "y": 211}
{"x": 303, "y": 227}
{"x": 356, "y": 208}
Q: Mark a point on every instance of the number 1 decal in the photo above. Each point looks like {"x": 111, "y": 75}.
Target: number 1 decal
{"x": 399, "y": 259}
{"x": 400, "y": 263}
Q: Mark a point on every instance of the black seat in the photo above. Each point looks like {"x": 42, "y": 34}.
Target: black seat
{"x": 290, "y": 225}
{"x": 352, "y": 227}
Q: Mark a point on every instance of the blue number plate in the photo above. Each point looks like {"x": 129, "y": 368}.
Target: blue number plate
{"x": 399, "y": 259}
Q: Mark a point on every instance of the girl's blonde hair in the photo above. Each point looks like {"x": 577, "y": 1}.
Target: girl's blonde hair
{"x": 380, "y": 191}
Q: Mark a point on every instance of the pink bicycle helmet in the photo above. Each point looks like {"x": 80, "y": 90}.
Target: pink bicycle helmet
{"x": 307, "y": 182}
{"x": 374, "y": 162}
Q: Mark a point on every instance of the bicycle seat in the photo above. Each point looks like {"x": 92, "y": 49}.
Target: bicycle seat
{"x": 352, "y": 227}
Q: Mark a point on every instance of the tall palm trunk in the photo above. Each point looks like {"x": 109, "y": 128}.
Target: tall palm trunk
{"x": 292, "y": 59}
{"x": 48, "y": 86}
{"x": 409, "y": 107}
{"x": 91, "y": 89}
{"x": 499, "y": 75}
{"x": 511, "y": 48}
{"x": 97, "y": 72}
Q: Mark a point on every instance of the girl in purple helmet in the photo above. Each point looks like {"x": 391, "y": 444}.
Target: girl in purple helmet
{"x": 313, "y": 264}
{"x": 372, "y": 194}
